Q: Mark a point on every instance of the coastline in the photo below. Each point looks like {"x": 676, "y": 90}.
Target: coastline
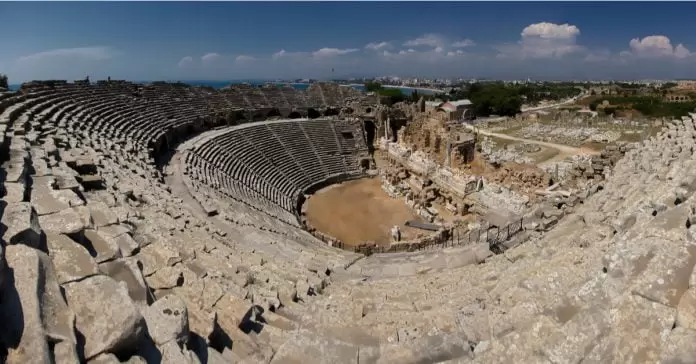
{"x": 419, "y": 89}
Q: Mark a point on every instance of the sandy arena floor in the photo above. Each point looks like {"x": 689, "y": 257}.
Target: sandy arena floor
{"x": 359, "y": 211}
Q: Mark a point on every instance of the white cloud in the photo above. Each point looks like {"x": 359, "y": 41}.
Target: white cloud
{"x": 279, "y": 54}
{"x": 376, "y": 46}
{"x": 83, "y": 53}
{"x": 430, "y": 40}
{"x": 244, "y": 58}
{"x": 547, "y": 30}
{"x": 656, "y": 46}
{"x": 463, "y": 43}
{"x": 543, "y": 40}
{"x": 210, "y": 57}
{"x": 439, "y": 49}
{"x": 185, "y": 62}
{"x": 455, "y": 53}
{"x": 330, "y": 52}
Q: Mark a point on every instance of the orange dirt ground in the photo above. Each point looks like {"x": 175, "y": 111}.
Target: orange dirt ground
{"x": 359, "y": 211}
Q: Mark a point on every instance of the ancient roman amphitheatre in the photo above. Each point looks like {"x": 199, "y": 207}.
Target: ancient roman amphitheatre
{"x": 176, "y": 224}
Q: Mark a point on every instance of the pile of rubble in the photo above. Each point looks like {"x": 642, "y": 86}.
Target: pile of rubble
{"x": 598, "y": 166}
{"x": 510, "y": 153}
{"x": 574, "y": 135}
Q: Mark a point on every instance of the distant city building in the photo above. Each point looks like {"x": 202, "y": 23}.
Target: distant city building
{"x": 677, "y": 98}
{"x": 686, "y": 84}
{"x": 451, "y": 110}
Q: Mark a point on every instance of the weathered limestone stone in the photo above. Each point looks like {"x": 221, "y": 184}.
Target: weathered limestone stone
{"x": 23, "y": 225}
{"x": 666, "y": 276}
{"x": 157, "y": 256}
{"x": 119, "y": 235}
{"x": 102, "y": 214}
{"x": 202, "y": 323}
{"x": 136, "y": 360}
{"x": 166, "y": 278}
{"x": 72, "y": 260}
{"x": 637, "y": 330}
{"x": 167, "y": 320}
{"x": 680, "y": 347}
{"x": 126, "y": 270}
{"x": 686, "y": 310}
{"x": 14, "y": 192}
{"x": 172, "y": 353}
{"x": 578, "y": 336}
{"x": 47, "y": 201}
{"x": 472, "y": 320}
{"x": 66, "y": 221}
{"x": 101, "y": 249}
{"x": 116, "y": 330}
{"x": 105, "y": 359}
{"x": 215, "y": 357}
{"x": 33, "y": 311}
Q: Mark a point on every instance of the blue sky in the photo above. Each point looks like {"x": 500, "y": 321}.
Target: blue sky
{"x": 223, "y": 41}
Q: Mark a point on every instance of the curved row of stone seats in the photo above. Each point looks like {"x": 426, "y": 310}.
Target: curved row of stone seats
{"x": 284, "y": 162}
{"x": 199, "y": 169}
{"x": 250, "y": 165}
{"x": 326, "y": 144}
{"x": 154, "y": 114}
{"x": 264, "y": 153}
{"x": 125, "y": 256}
{"x": 296, "y": 142}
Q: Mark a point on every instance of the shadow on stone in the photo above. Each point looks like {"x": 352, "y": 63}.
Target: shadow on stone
{"x": 12, "y": 314}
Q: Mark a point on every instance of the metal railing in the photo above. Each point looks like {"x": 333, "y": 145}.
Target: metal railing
{"x": 495, "y": 237}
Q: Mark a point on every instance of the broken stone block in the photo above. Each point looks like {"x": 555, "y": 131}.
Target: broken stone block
{"x": 72, "y": 260}
{"x": 680, "y": 346}
{"x": 157, "y": 256}
{"x": 102, "y": 214}
{"x": 105, "y": 359}
{"x": 14, "y": 192}
{"x": 22, "y": 224}
{"x": 100, "y": 248}
{"x": 67, "y": 221}
{"x": 126, "y": 270}
{"x": 167, "y": 320}
{"x": 166, "y": 278}
{"x": 32, "y": 311}
{"x": 91, "y": 182}
{"x": 116, "y": 330}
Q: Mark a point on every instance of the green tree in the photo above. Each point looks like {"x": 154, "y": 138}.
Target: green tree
{"x": 373, "y": 86}
{"x": 594, "y": 104}
{"x": 3, "y": 81}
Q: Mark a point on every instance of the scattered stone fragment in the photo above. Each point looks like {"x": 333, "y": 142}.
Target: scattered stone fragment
{"x": 118, "y": 329}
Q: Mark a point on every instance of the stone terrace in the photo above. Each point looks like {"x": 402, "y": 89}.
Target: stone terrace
{"x": 104, "y": 261}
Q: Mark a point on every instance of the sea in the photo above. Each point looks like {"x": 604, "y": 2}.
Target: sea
{"x": 298, "y": 85}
